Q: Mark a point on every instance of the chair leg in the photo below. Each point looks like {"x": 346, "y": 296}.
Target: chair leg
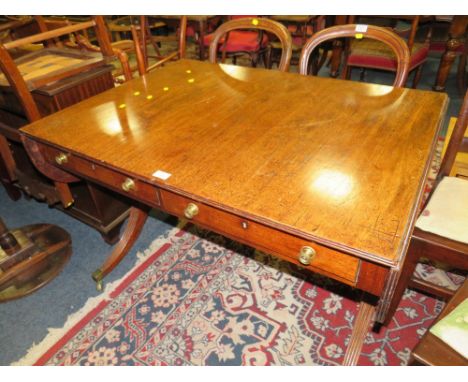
{"x": 461, "y": 74}
{"x": 346, "y": 75}
{"x": 267, "y": 57}
{"x": 362, "y": 75}
{"x": 322, "y": 59}
{"x": 417, "y": 76}
{"x": 254, "y": 60}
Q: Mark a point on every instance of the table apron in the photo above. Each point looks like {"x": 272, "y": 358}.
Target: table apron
{"x": 349, "y": 269}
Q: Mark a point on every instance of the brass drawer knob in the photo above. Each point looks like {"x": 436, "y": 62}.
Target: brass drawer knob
{"x": 306, "y": 255}
{"x": 128, "y": 185}
{"x": 191, "y": 210}
{"x": 61, "y": 158}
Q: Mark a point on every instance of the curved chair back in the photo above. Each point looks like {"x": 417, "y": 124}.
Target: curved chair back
{"x": 396, "y": 43}
{"x": 267, "y": 25}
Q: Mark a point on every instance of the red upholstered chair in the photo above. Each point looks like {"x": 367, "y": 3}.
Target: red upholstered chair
{"x": 395, "y": 43}
{"x": 242, "y": 42}
{"x": 375, "y": 55}
{"x": 255, "y": 39}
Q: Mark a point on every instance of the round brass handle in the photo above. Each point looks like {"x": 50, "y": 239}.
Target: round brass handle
{"x": 128, "y": 185}
{"x": 61, "y": 158}
{"x": 306, "y": 255}
{"x": 191, "y": 210}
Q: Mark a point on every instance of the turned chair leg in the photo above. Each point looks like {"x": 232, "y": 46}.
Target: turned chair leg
{"x": 362, "y": 75}
{"x": 266, "y": 55}
{"x": 346, "y": 75}
{"x": 461, "y": 74}
{"x": 417, "y": 76}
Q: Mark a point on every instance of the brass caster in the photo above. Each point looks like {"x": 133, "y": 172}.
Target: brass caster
{"x": 97, "y": 276}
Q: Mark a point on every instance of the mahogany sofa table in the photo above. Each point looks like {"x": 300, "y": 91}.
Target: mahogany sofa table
{"x": 320, "y": 172}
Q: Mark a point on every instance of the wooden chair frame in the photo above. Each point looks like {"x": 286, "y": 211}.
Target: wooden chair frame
{"x": 263, "y": 24}
{"x": 411, "y": 32}
{"x": 21, "y": 90}
{"x": 14, "y": 77}
{"x": 140, "y": 48}
{"x": 432, "y": 246}
{"x": 125, "y": 46}
{"x": 396, "y": 43}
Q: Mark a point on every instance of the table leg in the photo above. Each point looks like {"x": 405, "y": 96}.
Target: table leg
{"x": 361, "y": 327}
{"x": 398, "y": 282}
{"x": 134, "y": 226}
{"x": 455, "y": 40}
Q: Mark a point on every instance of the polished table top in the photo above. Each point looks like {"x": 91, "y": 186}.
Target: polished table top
{"x": 338, "y": 162}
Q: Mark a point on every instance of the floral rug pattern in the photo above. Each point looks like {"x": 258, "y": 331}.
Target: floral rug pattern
{"x": 202, "y": 299}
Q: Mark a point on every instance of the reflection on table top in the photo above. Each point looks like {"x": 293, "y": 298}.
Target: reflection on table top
{"x": 338, "y": 162}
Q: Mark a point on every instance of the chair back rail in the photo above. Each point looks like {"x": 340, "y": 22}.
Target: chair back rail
{"x": 264, "y": 24}
{"x": 97, "y": 23}
{"x": 411, "y": 32}
{"x": 49, "y": 34}
{"x": 396, "y": 43}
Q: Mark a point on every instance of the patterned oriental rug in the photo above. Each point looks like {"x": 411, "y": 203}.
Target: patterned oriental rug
{"x": 197, "y": 298}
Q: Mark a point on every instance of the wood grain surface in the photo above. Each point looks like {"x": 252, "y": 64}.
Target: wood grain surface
{"x": 337, "y": 162}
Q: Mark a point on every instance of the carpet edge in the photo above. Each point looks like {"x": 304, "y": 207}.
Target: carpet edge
{"x": 35, "y": 351}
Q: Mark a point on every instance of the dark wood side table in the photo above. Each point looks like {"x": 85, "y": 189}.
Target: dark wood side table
{"x": 431, "y": 350}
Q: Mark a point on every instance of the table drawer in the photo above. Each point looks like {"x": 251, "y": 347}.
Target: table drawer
{"x": 113, "y": 179}
{"x": 326, "y": 261}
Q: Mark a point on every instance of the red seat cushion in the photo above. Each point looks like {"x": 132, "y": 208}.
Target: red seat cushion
{"x": 441, "y": 46}
{"x": 190, "y": 31}
{"x": 240, "y": 41}
{"x": 375, "y": 54}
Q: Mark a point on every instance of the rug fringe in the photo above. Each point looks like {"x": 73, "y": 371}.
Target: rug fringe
{"x": 54, "y": 334}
